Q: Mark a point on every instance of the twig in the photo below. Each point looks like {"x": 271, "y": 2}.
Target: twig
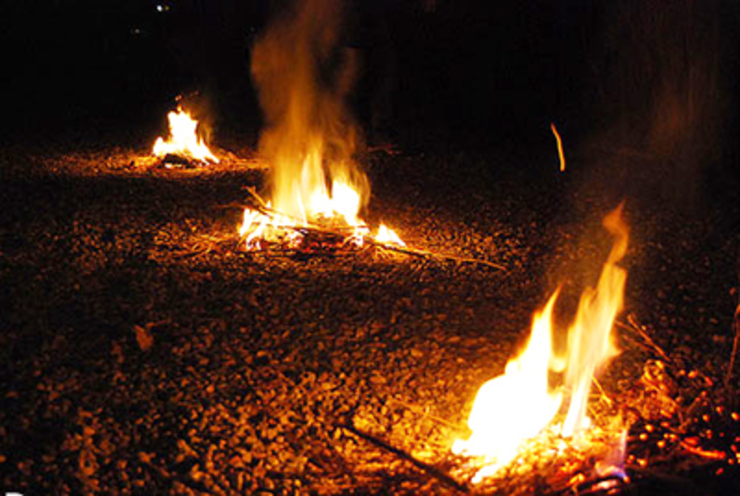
{"x": 192, "y": 254}
{"x": 430, "y": 254}
{"x": 305, "y": 228}
{"x": 425, "y": 467}
{"x": 736, "y": 325}
{"x": 603, "y": 395}
{"x": 253, "y": 193}
{"x": 635, "y": 326}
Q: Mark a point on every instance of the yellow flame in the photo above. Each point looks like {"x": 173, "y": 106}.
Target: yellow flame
{"x": 516, "y": 406}
{"x": 387, "y": 235}
{"x": 183, "y": 139}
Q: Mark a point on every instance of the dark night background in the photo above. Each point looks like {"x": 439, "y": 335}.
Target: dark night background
{"x": 486, "y": 72}
{"x": 99, "y": 250}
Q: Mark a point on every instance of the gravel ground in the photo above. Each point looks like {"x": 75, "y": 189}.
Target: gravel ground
{"x": 142, "y": 353}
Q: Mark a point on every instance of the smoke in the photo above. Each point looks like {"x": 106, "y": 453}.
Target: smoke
{"x": 303, "y": 75}
{"x": 662, "y": 97}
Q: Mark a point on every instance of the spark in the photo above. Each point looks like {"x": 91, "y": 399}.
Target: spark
{"x": 559, "y": 142}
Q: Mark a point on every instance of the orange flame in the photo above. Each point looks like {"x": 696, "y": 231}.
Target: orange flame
{"x": 518, "y": 405}
{"x": 183, "y": 139}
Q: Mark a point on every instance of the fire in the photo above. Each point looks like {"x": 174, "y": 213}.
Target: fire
{"x": 304, "y": 76}
{"x": 518, "y": 405}
{"x": 387, "y": 236}
{"x": 183, "y": 140}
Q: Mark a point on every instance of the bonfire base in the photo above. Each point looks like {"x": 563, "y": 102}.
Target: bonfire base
{"x": 171, "y": 161}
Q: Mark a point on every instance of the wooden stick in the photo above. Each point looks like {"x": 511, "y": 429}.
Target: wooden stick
{"x": 711, "y": 454}
{"x": 430, "y": 254}
{"x": 736, "y": 325}
{"x": 304, "y": 228}
{"x": 425, "y": 467}
{"x": 253, "y": 193}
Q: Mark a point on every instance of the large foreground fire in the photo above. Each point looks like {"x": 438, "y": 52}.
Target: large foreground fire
{"x": 304, "y": 75}
{"x": 518, "y": 405}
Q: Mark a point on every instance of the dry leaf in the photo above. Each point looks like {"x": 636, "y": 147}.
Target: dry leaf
{"x": 143, "y": 337}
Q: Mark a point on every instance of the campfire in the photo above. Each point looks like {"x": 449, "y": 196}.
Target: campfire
{"x": 524, "y": 416}
{"x": 183, "y": 148}
{"x": 317, "y": 188}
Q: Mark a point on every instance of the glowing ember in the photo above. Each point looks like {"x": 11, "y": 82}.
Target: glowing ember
{"x": 183, "y": 140}
{"x": 517, "y": 406}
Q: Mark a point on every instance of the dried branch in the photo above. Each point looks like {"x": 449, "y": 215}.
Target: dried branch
{"x": 425, "y": 467}
{"x": 636, "y": 327}
{"x": 307, "y": 229}
{"x": 736, "y": 325}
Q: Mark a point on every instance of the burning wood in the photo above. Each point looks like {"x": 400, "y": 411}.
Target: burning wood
{"x": 183, "y": 148}
{"x": 263, "y": 226}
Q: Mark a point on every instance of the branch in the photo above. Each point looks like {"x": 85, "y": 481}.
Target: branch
{"x": 635, "y": 326}
{"x": 425, "y": 467}
{"x": 430, "y": 254}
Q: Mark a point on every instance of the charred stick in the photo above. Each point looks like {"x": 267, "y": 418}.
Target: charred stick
{"x": 711, "y": 454}
{"x": 253, "y": 193}
{"x": 736, "y": 325}
{"x": 425, "y": 467}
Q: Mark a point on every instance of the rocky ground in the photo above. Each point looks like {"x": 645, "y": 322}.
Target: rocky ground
{"x": 141, "y": 352}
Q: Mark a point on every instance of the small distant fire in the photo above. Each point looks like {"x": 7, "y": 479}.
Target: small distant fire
{"x": 559, "y": 144}
{"x": 183, "y": 143}
{"x": 522, "y": 404}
